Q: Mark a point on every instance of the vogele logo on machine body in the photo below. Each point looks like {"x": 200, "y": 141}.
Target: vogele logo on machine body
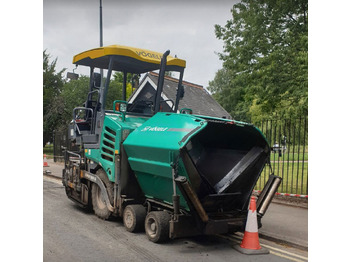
{"x": 154, "y": 129}
{"x": 147, "y": 54}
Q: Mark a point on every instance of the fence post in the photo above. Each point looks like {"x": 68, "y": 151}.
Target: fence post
{"x": 54, "y": 145}
{"x": 302, "y": 168}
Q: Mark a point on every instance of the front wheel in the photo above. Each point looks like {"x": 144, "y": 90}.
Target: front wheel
{"x": 134, "y": 218}
{"x": 98, "y": 202}
{"x": 157, "y": 226}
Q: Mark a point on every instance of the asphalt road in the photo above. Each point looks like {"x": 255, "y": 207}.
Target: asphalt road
{"x": 73, "y": 234}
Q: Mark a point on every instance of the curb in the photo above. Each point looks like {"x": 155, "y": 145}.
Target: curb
{"x": 289, "y": 200}
{"x": 48, "y": 173}
{"x": 290, "y": 203}
{"x": 283, "y": 242}
{"x": 278, "y": 241}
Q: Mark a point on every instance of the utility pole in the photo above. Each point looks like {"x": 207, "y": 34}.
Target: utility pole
{"x": 101, "y": 38}
{"x": 101, "y": 33}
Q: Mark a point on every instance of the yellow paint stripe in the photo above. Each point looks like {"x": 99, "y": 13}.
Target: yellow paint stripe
{"x": 283, "y": 251}
{"x": 285, "y": 256}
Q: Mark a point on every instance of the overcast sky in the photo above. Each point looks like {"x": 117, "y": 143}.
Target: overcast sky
{"x": 184, "y": 27}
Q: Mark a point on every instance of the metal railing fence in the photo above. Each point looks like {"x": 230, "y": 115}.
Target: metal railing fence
{"x": 60, "y": 141}
{"x": 288, "y": 139}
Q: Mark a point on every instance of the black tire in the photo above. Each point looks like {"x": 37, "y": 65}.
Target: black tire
{"x": 98, "y": 203}
{"x": 134, "y": 218}
{"x": 157, "y": 226}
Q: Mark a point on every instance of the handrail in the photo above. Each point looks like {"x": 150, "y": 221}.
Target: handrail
{"x": 72, "y": 153}
{"x": 86, "y": 109}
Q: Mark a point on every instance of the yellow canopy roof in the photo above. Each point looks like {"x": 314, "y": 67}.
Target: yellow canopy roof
{"x": 129, "y": 59}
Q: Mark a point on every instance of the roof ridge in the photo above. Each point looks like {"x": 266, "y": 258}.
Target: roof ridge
{"x": 176, "y": 80}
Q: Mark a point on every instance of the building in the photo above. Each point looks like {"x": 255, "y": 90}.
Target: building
{"x": 195, "y": 98}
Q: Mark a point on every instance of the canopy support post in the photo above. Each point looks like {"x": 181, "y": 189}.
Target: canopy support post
{"x": 160, "y": 82}
{"x": 105, "y": 88}
{"x": 124, "y": 85}
{"x": 180, "y": 92}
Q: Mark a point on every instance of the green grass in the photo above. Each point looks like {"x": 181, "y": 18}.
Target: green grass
{"x": 48, "y": 150}
{"x": 289, "y": 157}
{"x": 294, "y": 177}
{"x": 299, "y": 154}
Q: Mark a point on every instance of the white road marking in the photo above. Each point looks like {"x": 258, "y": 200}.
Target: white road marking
{"x": 282, "y": 253}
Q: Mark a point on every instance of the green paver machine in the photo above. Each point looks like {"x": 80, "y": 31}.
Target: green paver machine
{"x": 172, "y": 174}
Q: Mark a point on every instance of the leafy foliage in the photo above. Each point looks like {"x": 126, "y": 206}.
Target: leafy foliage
{"x": 264, "y": 60}
{"x": 116, "y": 87}
{"x": 74, "y": 94}
{"x": 61, "y": 97}
{"x": 52, "y": 87}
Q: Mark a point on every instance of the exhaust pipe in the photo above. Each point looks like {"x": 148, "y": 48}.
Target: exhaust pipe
{"x": 267, "y": 194}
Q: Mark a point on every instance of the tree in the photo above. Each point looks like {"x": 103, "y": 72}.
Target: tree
{"x": 74, "y": 94}
{"x": 264, "y": 59}
{"x": 229, "y": 93}
{"x": 116, "y": 87}
{"x": 61, "y": 97}
{"x": 52, "y": 86}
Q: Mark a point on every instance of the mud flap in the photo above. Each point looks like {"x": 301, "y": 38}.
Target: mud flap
{"x": 95, "y": 179}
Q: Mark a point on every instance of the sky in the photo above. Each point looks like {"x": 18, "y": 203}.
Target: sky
{"x": 186, "y": 28}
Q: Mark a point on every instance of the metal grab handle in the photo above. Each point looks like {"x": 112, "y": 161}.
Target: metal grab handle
{"x": 81, "y": 108}
{"x": 75, "y": 154}
{"x": 86, "y": 109}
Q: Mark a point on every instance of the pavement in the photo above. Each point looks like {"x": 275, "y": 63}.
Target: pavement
{"x": 283, "y": 222}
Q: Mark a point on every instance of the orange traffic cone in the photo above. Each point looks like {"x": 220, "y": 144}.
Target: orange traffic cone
{"x": 45, "y": 161}
{"x": 250, "y": 244}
